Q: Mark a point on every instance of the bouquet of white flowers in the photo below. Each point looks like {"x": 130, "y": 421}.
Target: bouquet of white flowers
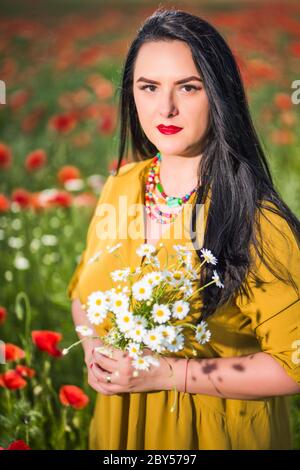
{"x": 149, "y": 311}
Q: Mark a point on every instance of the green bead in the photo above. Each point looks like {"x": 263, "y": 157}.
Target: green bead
{"x": 172, "y": 202}
{"x": 160, "y": 188}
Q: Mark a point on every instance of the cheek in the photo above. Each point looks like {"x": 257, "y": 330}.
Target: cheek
{"x": 199, "y": 112}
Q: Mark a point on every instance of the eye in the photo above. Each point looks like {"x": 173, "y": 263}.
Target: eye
{"x": 191, "y": 87}
{"x": 147, "y": 86}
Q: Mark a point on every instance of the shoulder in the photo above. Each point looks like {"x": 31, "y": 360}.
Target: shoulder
{"x": 273, "y": 225}
{"x": 279, "y": 243}
{"x": 126, "y": 181}
{"x": 132, "y": 169}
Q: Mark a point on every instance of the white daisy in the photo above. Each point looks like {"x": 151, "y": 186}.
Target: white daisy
{"x": 168, "y": 276}
{"x": 141, "y": 290}
{"x": 208, "y": 256}
{"x": 119, "y": 303}
{"x": 136, "y": 333}
{"x": 145, "y": 249}
{"x": 140, "y": 321}
{"x": 177, "y": 344}
{"x": 168, "y": 333}
{"x": 125, "y": 321}
{"x": 113, "y": 336}
{"x": 134, "y": 349}
{"x": 15, "y": 242}
{"x": 203, "y": 337}
{"x": 216, "y": 278}
{"x": 186, "y": 288}
{"x": 21, "y": 263}
{"x": 140, "y": 363}
{"x": 193, "y": 274}
{"x": 154, "y": 278}
{"x": 180, "y": 309}
{"x": 155, "y": 262}
{"x": 84, "y": 330}
{"x": 181, "y": 249}
{"x": 120, "y": 274}
{"x": 187, "y": 260}
{"x": 119, "y": 290}
{"x": 201, "y": 327}
{"x": 177, "y": 277}
{"x": 154, "y": 339}
{"x": 161, "y": 313}
{"x": 74, "y": 184}
{"x": 97, "y": 301}
{"x": 96, "y": 316}
{"x": 49, "y": 240}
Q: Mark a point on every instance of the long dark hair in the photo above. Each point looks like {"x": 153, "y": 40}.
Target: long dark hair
{"x": 233, "y": 165}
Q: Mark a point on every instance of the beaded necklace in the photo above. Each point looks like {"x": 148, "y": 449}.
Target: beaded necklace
{"x": 152, "y": 200}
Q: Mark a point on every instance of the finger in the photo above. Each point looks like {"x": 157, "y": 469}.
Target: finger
{"x": 97, "y": 386}
{"x": 101, "y": 375}
{"x": 106, "y": 363}
{"x": 106, "y": 351}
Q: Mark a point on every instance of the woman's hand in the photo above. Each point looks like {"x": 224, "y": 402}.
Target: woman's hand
{"x": 88, "y": 347}
{"x": 123, "y": 377}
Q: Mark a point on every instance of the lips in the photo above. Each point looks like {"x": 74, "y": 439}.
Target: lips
{"x": 168, "y": 129}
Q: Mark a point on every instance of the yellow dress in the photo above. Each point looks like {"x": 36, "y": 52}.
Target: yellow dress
{"x": 269, "y": 322}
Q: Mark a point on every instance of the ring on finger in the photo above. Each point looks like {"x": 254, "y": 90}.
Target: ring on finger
{"x": 108, "y": 379}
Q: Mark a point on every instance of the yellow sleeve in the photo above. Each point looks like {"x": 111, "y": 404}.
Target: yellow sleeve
{"x": 72, "y": 286}
{"x": 274, "y": 308}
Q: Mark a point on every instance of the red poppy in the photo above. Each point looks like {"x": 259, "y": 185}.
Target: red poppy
{"x": 63, "y": 123}
{"x": 3, "y": 314}
{"x": 61, "y": 198}
{"x": 46, "y": 341}
{"x": 4, "y": 203}
{"x": 35, "y": 160}
{"x": 21, "y": 197}
{"x": 17, "y": 445}
{"x": 25, "y": 371}
{"x": 18, "y": 99}
{"x": 70, "y": 395}
{"x": 283, "y": 101}
{"x": 107, "y": 120}
{"x": 13, "y": 352}
{"x": 282, "y": 137}
{"x": 5, "y": 156}
{"x": 12, "y": 380}
{"x": 68, "y": 172}
{"x": 295, "y": 49}
{"x": 30, "y": 122}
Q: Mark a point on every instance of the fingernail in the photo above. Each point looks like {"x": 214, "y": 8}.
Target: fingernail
{"x": 91, "y": 365}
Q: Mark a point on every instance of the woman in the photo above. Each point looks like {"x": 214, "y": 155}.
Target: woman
{"x": 180, "y": 72}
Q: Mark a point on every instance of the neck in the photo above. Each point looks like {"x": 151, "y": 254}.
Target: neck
{"x": 178, "y": 175}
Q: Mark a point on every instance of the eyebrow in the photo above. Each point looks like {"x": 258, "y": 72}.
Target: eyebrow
{"x": 183, "y": 80}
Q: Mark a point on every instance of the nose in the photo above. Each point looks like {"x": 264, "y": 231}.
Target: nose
{"x": 168, "y": 107}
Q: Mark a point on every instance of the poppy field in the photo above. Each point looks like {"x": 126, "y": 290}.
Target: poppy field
{"x": 58, "y": 143}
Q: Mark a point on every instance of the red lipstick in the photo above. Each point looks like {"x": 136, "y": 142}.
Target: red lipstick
{"x": 168, "y": 129}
